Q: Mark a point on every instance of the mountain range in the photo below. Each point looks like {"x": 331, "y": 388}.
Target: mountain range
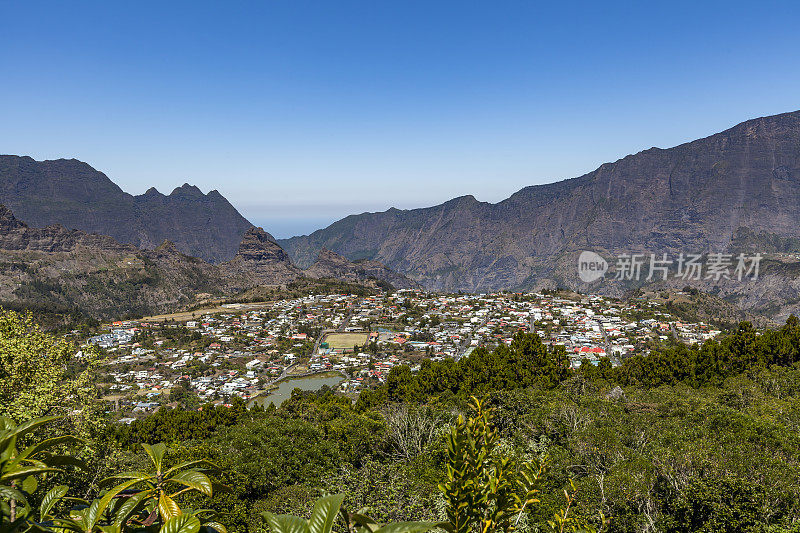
{"x": 60, "y": 269}
{"x": 734, "y": 191}
{"x": 75, "y": 195}
{"x": 742, "y": 183}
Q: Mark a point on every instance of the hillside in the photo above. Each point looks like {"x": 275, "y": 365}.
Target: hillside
{"x": 75, "y": 195}
{"x": 60, "y": 270}
{"x": 737, "y": 189}
{"x": 332, "y": 265}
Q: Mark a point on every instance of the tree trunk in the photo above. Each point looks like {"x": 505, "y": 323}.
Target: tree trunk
{"x": 13, "y": 504}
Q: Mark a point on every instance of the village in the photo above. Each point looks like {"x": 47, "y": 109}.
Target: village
{"x": 352, "y": 342}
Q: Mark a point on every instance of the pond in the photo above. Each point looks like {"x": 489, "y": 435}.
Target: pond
{"x": 285, "y": 388}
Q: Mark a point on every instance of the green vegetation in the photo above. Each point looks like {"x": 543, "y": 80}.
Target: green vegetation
{"x": 144, "y": 501}
{"x": 300, "y": 287}
{"x": 35, "y": 370}
{"x": 701, "y": 438}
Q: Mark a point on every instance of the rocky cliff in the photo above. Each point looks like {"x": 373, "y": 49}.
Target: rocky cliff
{"x": 332, "y": 265}
{"x": 59, "y": 269}
{"x": 724, "y": 192}
{"x": 73, "y": 194}
{"x": 260, "y": 259}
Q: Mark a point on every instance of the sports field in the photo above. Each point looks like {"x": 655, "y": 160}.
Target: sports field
{"x": 338, "y": 341}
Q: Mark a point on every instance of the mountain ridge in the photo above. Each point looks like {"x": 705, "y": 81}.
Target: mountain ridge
{"x": 74, "y": 194}
{"x": 67, "y": 269}
{"x": 694, "y": 197}
{"x": 332, "y": 265}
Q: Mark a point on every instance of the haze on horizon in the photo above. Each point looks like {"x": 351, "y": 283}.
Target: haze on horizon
{"x": 302, "y": 113}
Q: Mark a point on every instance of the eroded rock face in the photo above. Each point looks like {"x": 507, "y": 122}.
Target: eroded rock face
{"x": 261, "y": 257}
{"x": 738, "y": 189}
{"x": 693, "y": 196}
{"x": 258, "y": 245}
{"x": 332, "y": 265}
{"x": 71, "y": 193}
{"x": 15, "y": 235}
{"x": 65, "y": 269}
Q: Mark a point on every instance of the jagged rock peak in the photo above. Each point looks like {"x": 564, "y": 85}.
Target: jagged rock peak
{"x": 167, "y": 247}
{"x": 8, "y": 221}
{"x": 73, "y": 194}
{"x": 326, "y": 255}
{"x": 258, "y": 245}
{"x": 188, "y": 190}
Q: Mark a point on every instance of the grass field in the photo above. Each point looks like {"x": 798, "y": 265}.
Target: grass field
{"x": 338, "y": 341}
{"x": 183, "y": 316}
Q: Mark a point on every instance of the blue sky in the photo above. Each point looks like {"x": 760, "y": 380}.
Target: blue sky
{"x": 303, "y": 112}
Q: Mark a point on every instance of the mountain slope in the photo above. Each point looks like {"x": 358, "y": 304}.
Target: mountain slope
{"x": 59, "y": 268}
{"x": 332, "y": 265}
{"x": 260, "y": 258}
{"x": 694, "y": 197}
{"x": 73, "y": 194}
{"x": 62, "y": 270}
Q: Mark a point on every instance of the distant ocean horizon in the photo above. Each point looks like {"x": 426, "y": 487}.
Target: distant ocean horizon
{"x": 286, "y": 227}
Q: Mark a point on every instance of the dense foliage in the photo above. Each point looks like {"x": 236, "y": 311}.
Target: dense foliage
{"x": 526, "y": 362}
{"x": 714, "y": 361}
{"x": 702, "y": 438}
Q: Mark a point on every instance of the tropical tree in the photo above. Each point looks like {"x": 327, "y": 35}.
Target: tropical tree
{"x": 34, "y": 376}
{"x": 145, "y": 499}
{"x": 485, "y": 491}
{"x": 19, "y": 470}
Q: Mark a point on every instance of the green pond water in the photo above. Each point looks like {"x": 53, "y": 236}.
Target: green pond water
{"x": 285, "y": 388}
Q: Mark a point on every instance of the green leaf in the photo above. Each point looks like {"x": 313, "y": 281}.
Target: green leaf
{"x": 130, "y": 506}
{"x": 14, "y": 432}
{"x": 139, "y": 476}
{"x": 68, "y": 524}
{"x": 25, "y": 472}
{"x": 156, "y": 453}
{"x": 181, "y": 524}
{"x": 363, "y": 521}
{"x": 213, "y": 527}
{"x": 92, "y": 514}
{"x": 195, "y": 480}
{"x": 101, "y": 504}
{"x": 285, "y": 523}
{"x": 32, "y": 450}
{"x": 50, "y": 499}
{"x": 167, "y": 507}
{"x": 8, "y": 493}
{"x": 29, "y": 484}
{"x": 324, "y": 513}
{"x": 191, "y": 464}
{"x": 66, "y": 460}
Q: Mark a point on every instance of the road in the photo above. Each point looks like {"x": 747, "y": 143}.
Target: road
{"x": 318, "y": 342}
{"x": 466, "y": 343}
{"x": 346, "y": 320}
{"x": 283, "y": 374}
{"x": 609, "y": 351}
